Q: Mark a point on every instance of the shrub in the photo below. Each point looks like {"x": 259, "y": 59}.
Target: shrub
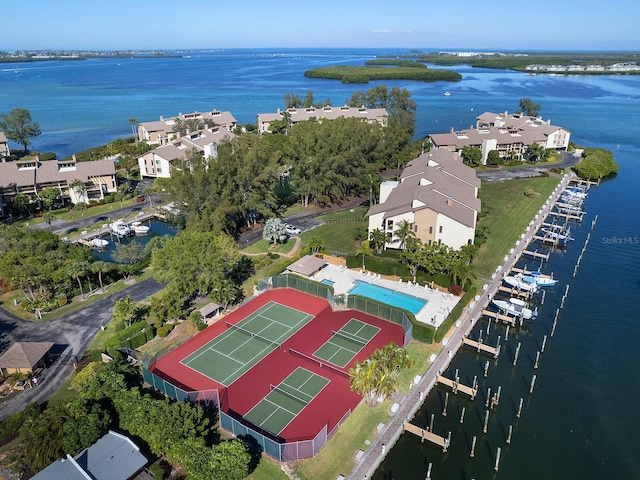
{"x": 455, "y": 289}
{"x": 163, "y": 331}
{"x": 157, "y": 471}
{"x": 47, "y": 156}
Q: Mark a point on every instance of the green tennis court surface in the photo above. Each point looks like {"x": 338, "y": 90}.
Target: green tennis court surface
{"x": 346, "y": 342}
{"x": 230, "y": 355}
{"x": 285, "y": 401}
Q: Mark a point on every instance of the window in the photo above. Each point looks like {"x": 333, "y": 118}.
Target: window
{"x": 157, "y": 162}
{"x": 430, "y": 230}
{"x": 440, "y": 229}
{"x": 415, "y": 228}
{"x": 439, "y": 242}
{"x": 389, "y": 224}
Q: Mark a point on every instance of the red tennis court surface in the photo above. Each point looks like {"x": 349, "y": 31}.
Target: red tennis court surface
{"x": 328, "y": 407}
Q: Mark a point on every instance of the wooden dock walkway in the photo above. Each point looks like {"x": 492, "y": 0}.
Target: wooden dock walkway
{"x": 536, "y": 254}
{"x": 426, "y": 435}
{"x": 524, "y": 271}
{"x": 457, "y": 386}
{"x": 514, "y": 292}
{"x": 481, "y": 347}
{"x": 499, "y": 316}
{"x": 568, "y": 216}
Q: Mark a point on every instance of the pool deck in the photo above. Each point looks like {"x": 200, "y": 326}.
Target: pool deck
{"x": 433, "y": 313}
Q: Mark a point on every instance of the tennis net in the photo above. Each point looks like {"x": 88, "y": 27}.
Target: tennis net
{"x": 290, "y": 395}
{"x": 357, "y": 340}
{"x": 253, "y": 335}
{"x": 319, "y": 363}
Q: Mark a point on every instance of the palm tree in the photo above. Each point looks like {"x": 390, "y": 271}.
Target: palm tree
{"x": 81, "y": 207}
{"x": 149, "y": 192}
{"x": 79, "y": 189}
{"x": 41, "y": 438}
{"x": 124, "y": 310}
{"x": 77, "y": 270}
{"x": 378, "y": 239}
{"x": 364, "y": 249}
{"x": 49, "y": 217}
{"x": 404, "y": 230}
{"x": 100, "y": 267}
{"x": 134, "y": 128}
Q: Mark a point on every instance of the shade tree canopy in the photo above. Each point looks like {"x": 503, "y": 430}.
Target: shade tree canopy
{"x": 19, "y": 127}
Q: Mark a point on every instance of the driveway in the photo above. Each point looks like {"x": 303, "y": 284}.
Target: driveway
{"x": 304, "y": 221}
{"x": 497, "y": 175}
{"x": 71, "y": 335}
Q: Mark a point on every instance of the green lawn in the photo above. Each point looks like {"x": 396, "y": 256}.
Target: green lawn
{"x": 506, "y": 214}
{"x": 268, "y": 469}
{"x": 419, "y": 353}
{"x": 261, "y": 246}
{"x": 340, "y": 232}
{"x": 336, "y": 457}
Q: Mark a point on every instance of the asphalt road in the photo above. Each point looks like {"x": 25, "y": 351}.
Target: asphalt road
{"x": 71, "y": 335}
{"x": 568, "y": 160}
{"x": 304, "y": 221}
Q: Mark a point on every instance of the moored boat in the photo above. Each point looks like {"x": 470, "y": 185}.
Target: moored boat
{"x": 517, "y": 283}
{"x": 99, "y": 242}
{"x": 515, "y": 308}
{"x": 539, "y": 279}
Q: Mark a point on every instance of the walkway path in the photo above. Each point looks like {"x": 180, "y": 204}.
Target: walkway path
{"x": 410, "y": 405}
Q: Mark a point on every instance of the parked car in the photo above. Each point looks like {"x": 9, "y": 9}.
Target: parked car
{"x": 291, "y": 230}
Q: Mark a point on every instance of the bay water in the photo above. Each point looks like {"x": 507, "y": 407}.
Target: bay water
{"x": 580, "y": 420}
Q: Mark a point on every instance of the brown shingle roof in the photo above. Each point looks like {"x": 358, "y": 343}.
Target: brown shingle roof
{"x": 24, "y": 354}
{"x": 12, "y": 174}
{"x": 437, "y": 180}
{"x": 307, "y": 265}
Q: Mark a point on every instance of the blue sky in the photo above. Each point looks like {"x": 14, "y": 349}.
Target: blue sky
{"x": 459, "y": 24}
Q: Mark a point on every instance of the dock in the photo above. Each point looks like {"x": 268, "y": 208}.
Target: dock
{"x": 536, "y": 254}
{"x": 524, "y": 271}
{"x": 568, "y": 216}
{"x": 457, "y": 386}
{"x": 427, "y": 435}
{"x": 86, "y": 237}
{"x": 514, "y": 292}
{"x": 499, "y": 316}
{"x": 481, "y": 347}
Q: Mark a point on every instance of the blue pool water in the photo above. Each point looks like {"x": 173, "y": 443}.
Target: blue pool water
{"x": 326, "y": 281}
{"x": 390, "y": 297}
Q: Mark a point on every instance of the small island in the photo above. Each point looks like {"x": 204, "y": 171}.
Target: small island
{"x": 384, "y": 69}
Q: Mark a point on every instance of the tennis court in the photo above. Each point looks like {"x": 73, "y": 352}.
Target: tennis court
{"x": 345, "y": 343}
{"x": 286, "y": 400}
{"x": 230, "y": 355}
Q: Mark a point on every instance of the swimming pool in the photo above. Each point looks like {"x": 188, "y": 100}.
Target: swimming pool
{"x": 327, "y": 282}
{"x": 390, "y": 297}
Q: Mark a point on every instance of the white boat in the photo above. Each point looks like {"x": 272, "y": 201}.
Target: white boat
{"x": 568, "y": 208}
{"x": 446, "y": 94}
{"x": 517, "y": 283}
{"x": 139, "y": 228}
{"x": 577, "y": 191}
{"x": 515, "y": 307}
{"x": 119, "y": 228}
{"x": 557, "y": 236}
{"x": 539, "y": 279}
{"x": 99, "y": 242}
